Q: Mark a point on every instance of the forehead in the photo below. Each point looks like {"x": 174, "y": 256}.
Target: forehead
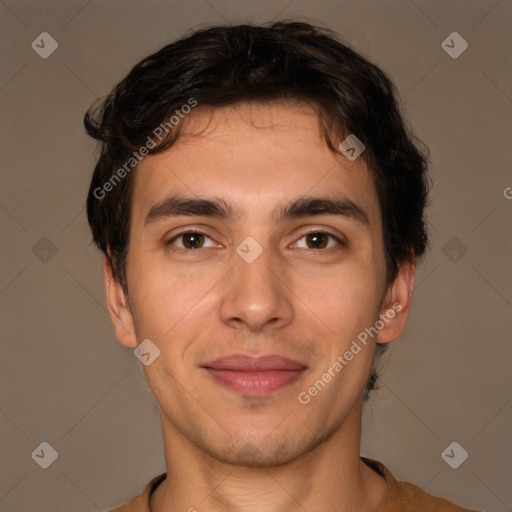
{"x": 255, "y": 156}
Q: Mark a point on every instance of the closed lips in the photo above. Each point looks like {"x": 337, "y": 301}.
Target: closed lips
{"x": 242, "y": 363}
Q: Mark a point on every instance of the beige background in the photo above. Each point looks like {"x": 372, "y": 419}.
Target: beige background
{"x": 67, "y": 381}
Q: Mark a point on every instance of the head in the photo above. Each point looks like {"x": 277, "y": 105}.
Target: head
{"x": 242, "y": 127}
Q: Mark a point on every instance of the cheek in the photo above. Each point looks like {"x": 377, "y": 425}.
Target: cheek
{"x": 168, "y": 297}
{"x": 344, "y": 299}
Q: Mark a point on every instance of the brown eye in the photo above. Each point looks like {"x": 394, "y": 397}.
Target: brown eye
{"x": 190, "y": 240}
{"x": 318, "y": 240}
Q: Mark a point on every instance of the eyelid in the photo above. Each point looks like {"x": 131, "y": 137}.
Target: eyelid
{"x": 339, "y": 238}
{"x": 188, "y": 231}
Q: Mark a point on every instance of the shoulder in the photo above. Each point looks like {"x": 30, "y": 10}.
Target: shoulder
{"x": 408, "y": 497}
{"x": 140, "y": 503}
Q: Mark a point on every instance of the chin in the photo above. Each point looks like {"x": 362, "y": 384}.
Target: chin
{"x": 252, "y": 456}
{"x": 269, "y": 449}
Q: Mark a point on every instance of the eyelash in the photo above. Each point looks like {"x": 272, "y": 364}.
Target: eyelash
{"x": 194, "y": 231}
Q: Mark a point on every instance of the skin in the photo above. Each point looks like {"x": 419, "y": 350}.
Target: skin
{"x": 226, "y": 451}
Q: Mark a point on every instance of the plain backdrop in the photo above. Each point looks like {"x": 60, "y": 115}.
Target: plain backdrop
{"x": 65, "y": 379}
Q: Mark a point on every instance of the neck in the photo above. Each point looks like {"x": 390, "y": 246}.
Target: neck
{"x": 330, "y": 476}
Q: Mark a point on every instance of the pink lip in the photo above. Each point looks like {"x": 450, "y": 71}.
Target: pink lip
{"x": 255, "y": 375}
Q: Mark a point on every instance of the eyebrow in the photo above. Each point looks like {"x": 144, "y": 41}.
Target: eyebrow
{"x": 175, "y": 206}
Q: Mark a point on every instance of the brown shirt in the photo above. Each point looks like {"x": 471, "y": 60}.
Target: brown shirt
{"x": 400, "y": 497}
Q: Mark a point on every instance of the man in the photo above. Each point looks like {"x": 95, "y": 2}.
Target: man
{"x": 260, "y": 206}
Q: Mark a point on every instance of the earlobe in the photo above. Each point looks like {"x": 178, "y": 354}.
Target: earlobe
{"x": 397, "y": 303}
{"x": 120, "y": 314}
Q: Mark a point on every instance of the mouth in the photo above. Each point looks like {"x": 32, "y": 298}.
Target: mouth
{"x": 255, "y": 376}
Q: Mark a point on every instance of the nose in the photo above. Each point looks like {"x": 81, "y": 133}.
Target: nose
{"x": 256, "y": 296}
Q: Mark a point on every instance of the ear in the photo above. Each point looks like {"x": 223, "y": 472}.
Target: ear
{"x": 397, "y": 303}
{"x": 118, "y": 308}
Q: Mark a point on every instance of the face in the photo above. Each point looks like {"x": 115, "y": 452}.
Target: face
{"x": 250, "y": 288}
